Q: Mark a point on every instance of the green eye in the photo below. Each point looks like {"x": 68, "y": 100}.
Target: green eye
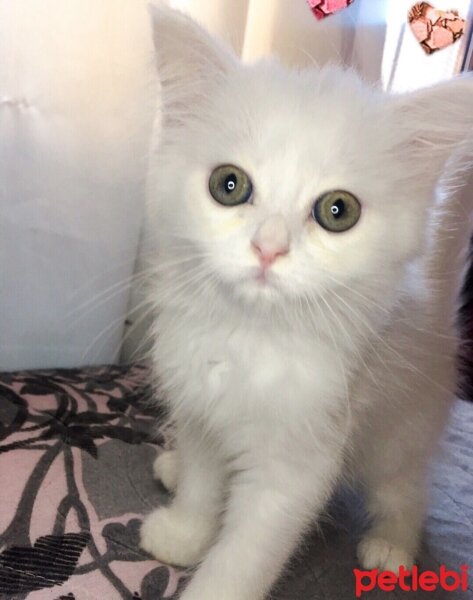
{"x": 337, "y": 211}
{"x": 230, "y": 186}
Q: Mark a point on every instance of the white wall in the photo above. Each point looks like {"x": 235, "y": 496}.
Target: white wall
{"x": 77, "y": 93}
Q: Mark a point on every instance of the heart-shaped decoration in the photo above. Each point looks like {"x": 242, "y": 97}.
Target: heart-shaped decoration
{"x": 435, "y": 29}
{"x": 324, "y": 8}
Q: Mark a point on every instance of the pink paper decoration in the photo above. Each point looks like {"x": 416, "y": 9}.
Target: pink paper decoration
{"x": 324, "y": 8}
{"x": 435, "y": 29}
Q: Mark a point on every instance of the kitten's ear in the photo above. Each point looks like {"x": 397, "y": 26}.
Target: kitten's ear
{"x": 189, "y": 59}
{"x": 438, "y": 122}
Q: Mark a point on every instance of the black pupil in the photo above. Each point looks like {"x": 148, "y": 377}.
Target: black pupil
{"x": 338, "y": 209}
{"x": 230, "y": 184}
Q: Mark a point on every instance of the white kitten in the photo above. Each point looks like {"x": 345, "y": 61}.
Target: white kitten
{"x": 302, "y": 335}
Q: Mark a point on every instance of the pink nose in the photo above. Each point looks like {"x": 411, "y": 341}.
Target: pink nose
{"x": 267, "y": 256}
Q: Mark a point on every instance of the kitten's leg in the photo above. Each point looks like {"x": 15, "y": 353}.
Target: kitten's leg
{"x": 269, "y": 509}
{"x": 396, "y": 506}
{"x": 404, "y": 405}
{"x": 393, "y": 466}
{"x": 166, "y": 469}
{"x": 181, "y": 533}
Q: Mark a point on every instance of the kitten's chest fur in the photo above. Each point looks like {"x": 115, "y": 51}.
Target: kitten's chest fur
{"x": 231, "y": 373}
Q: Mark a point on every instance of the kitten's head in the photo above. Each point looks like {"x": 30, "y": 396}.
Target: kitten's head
{"x": 281, "y": 185}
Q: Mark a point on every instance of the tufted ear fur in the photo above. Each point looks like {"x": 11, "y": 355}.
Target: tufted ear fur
{"x": 438, "y": 123}
{"x": 189, "y": 60}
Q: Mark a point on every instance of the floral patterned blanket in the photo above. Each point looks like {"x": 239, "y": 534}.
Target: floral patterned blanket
{"x": 76, "y": 449}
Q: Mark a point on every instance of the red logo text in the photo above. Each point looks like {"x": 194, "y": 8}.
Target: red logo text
{"x": 411, "y": 580}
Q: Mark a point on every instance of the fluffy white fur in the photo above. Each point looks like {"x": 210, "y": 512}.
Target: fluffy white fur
{"x": 342, "y": 363}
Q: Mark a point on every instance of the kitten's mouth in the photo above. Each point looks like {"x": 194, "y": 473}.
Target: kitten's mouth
{"x": 264, "y": 278}
{"x": 260, "y": 285}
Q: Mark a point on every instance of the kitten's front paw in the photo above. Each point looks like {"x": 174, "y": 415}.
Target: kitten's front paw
{"x": 166, "y": 469}
{"x": 175, "y": 537}
{"x": 376, "y": 553}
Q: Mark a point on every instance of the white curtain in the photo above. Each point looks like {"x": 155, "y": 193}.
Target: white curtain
{"x": 76, "y": 101}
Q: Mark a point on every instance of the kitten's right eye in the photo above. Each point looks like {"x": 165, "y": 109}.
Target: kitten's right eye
{"x": 230, "y": 185}
{"x": 337, "y": 211}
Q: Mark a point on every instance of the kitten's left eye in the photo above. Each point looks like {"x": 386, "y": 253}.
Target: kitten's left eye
{"x": 230, "y": 185}
{"x": 337, "y": 211}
